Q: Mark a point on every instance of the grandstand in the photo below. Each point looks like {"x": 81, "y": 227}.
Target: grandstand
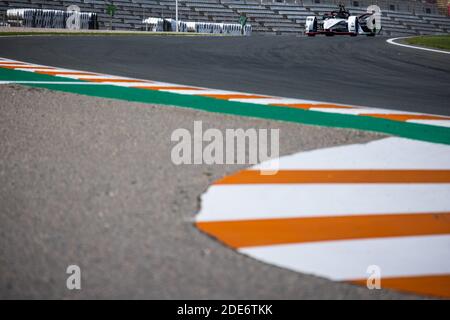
{"x": 399, "y": 17}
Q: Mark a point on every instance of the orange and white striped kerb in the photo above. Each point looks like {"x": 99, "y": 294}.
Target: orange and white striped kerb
{"x": 334, "y": 212}
{"x": 276, "y": 102}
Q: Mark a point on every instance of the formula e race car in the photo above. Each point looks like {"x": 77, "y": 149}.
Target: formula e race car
{"x": 341, "y": 23}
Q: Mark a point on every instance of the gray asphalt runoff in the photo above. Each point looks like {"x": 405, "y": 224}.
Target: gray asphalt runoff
{"x": 362, "y": 71}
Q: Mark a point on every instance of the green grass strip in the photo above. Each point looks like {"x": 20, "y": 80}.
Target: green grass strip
{"x": 397, "y": 128}
{"x": 438, "y": 42}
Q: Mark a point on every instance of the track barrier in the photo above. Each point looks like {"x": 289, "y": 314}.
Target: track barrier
{"x": 42, "y": 18}
{"x": 161, "y": 25}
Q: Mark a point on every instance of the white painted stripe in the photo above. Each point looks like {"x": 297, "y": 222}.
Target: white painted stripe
{"x": 133, "y": 84}
{"x": 342, "y": 111}
{"x": 348, "y": 260}
{"x": 161, "y": 84}
{"x": 358, "y": 111}
{"x": 126, "y": 84}
{"x": 96, "y": 76}
{"x": 222, "y": 92}
{"x": 208, "y": 91}
{"x": 182, "y": 91}
{"x": 72, "y": 76}
{"x": 392, "y": 41}
{"x": 440, "y": 123}
{"x": 66, "y": 70}
{"x": 43, "y": 69}
{"x": 194, "y": 91}
{"x": 387, "y": 153}
{"x": 363, "y": 111}
{"x": 241, "y": 202}
{"x": 274, "y": 100}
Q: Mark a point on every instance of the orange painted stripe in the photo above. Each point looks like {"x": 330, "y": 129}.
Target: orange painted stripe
{"x": 233, "y": 96}
{"x": 263, "y": 232}
{"x": 71, "y": 73}
{"x": 168, "y": 88}
{"x": 308, "y": 106}
{"x": 405, "y": 117}
{"x": 438, "y": 285}
{"x": 338, "y": 176}
{"x": 112, "y": 80}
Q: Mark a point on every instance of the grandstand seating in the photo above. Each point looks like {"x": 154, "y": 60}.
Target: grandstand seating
{"x": 266, "y": 17}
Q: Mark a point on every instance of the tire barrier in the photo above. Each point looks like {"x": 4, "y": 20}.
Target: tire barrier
{"x": 161, "y": 25}
{"x": 154, "y": 24}
{"x": 41, "y": 18}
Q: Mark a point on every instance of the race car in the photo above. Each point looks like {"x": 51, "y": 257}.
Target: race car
{"x": 341, "y": 23}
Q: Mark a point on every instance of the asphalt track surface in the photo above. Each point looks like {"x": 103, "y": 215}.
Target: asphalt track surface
{"x": 361, "y": 71}
{"x": 89, "y": 181}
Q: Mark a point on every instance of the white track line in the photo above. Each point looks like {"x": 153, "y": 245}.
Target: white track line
{"x": 392, "y": 41}
{"x": 267, "y": 101}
